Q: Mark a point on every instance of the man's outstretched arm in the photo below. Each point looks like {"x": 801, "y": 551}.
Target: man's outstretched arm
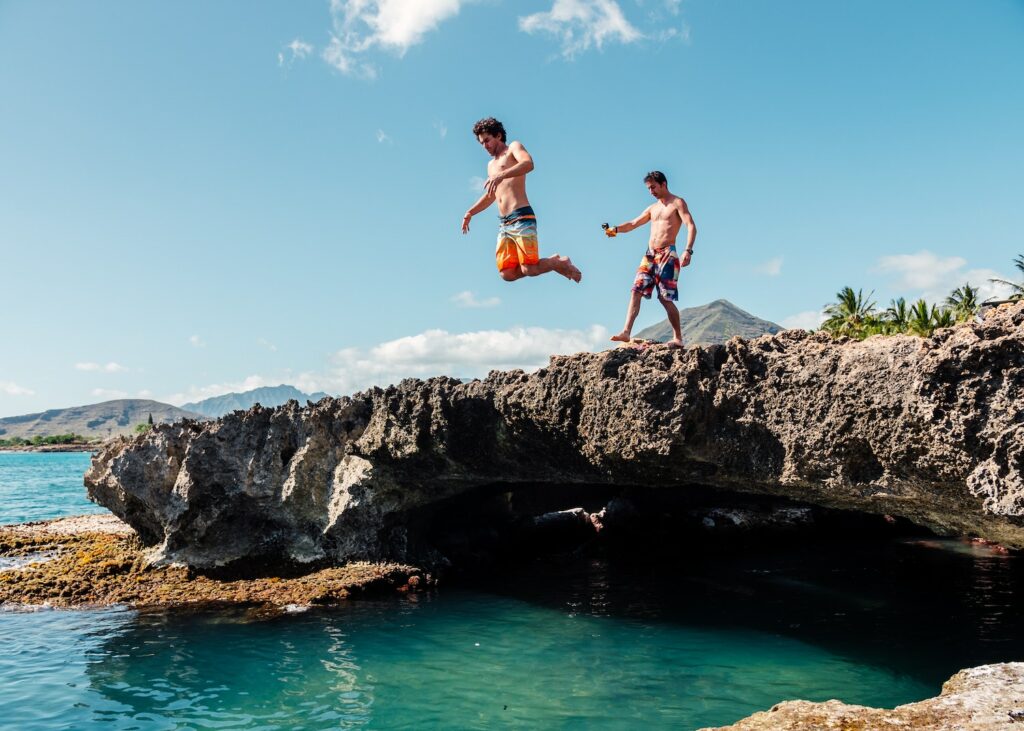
{"x": 637, "y": 222}
{"x": 485, "y": 200}
{"x": 524, "y": 164}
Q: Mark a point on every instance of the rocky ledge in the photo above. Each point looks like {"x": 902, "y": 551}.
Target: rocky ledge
{"x": 984, "y": 698}
{"x": 928, "y": 429}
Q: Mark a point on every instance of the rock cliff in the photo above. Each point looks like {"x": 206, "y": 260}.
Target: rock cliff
{"x": 928, "y": 429}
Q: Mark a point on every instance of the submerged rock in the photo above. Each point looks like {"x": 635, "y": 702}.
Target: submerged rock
{"x": 978, "y": 699}
{"x": 928, "y": 429}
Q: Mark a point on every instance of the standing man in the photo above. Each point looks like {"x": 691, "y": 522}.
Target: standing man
{"x": 517, "y": 253}
{"x": 660, "y": 265}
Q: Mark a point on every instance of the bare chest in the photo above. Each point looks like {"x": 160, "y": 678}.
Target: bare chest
{"x": 665, "y": 216}
{"x": 501, "y": 164}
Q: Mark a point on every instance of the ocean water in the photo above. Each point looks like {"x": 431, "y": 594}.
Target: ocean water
{"x": 569, "y": 643}
{"x": 40, "y": 486}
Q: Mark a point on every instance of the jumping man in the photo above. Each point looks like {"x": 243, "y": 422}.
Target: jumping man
{"x": 517, "y": 254}
{"x": 660, "y": 265}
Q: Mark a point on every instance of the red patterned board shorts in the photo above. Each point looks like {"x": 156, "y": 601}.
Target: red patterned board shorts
{"x": 658, "y": 268}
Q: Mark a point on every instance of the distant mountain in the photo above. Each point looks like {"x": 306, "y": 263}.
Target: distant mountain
{"x": 217, "y": 406}
{"x": 712, "y": 323}
{"x": 106, "y": 419}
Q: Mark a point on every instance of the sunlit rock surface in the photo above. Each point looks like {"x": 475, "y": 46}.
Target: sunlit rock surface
{"x": 984, "y": 698}
{"x": 928, "y": 429}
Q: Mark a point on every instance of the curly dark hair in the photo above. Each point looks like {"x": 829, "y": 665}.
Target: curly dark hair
{"x": 655, "y": 176}
{"x": 490, "y": 126}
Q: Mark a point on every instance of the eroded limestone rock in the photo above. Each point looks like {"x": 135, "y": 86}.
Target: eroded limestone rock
{"x": 928, "y": 429}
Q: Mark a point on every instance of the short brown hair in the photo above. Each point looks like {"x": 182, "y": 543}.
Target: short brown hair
{"x": 655, "y": 176}
{"x": 490, "y": 126}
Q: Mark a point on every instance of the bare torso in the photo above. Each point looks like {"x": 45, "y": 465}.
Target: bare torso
{"x": 511, "y": 192}
{"x": 665, "y": 222}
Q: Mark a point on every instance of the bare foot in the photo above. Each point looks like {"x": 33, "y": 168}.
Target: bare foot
{"x": 565, "y": 267}
{"x": 674, "y": 343}
{"x": 622, "y": 337}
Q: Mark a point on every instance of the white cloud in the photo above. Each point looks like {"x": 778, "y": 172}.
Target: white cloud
{"x": 923, "y": 270}
{"x": 390, "y": 25}
{"x": 431, "y": 353}
{"x": 197, "y": 342}
{"x": 383, "y": 137}
{"x": 933, "y": 277}
{"x": 772, "y": 267}
{"x": 108, "y": 393}
{"x": 96, "y": 367}
{"x": 298, "y": 50}
{"x": 13, "y": 389}
{"x": 582, "y": 24}
{"x": 144, "y": 393}
{"x": 808, "y": 320}
{"x": 264, "y": 343}
{"x": 476, "y": 184}
{"x": 468, "y": 299}
{"x": 442, "y": 129}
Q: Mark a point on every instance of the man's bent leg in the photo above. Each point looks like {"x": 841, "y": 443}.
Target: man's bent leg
{"x": 631, "y": 312}
{"x": 673, "y": 320}
{"x": 511, "y": 274}
{"x": 561, "y": 264}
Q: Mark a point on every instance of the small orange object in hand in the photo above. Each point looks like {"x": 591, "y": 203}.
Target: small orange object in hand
{"x": 609, "y": 231}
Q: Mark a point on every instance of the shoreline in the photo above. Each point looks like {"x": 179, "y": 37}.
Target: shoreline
{"x": 89, "y": 561}
{"x": 28, "y": 448}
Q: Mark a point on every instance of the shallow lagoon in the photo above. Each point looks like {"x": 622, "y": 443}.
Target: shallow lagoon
{"x": 570, "y": 643}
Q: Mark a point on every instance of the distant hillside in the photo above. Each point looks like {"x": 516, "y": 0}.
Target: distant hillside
{"x": 94, "y": 420}
{"x": 712, "y": 323}
{"x": 267, "y": 396}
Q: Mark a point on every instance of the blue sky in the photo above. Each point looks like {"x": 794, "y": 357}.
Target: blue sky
{"x": 202, "y": 197}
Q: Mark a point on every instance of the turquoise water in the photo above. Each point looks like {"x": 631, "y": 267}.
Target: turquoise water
{"x": 40, "y": 486}
{"x": 560, "y": 644}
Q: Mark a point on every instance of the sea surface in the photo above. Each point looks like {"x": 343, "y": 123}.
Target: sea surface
{"x": 570, "y": 643}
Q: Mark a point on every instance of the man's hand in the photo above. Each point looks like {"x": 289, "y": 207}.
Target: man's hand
{"x": 465, "y": 223}
{"x": 492, "y": 184}
{"x": 610, "y": 231}
{"x": 685, "y": 261}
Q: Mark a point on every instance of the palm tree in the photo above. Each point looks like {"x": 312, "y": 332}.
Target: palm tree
{"x": 1017, "y": 289}
{"x": 897, "y": 316}
{"x": 849, "y": 313}
{"x": 920, "y": 322}
{"x": 943, "y": 317}
{"x": 963, "y": 302}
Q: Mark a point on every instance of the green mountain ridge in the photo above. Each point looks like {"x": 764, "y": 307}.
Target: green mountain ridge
{"x": 269, "y": 396}
{"x": 712, "y": 324}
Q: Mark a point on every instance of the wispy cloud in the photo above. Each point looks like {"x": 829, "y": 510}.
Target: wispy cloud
{"x": 197, "y": 342}
{"x": 582, "y": 24}
{"x": 264, "y": 343}
{"x": 144, "y": 393}
{"x": 442, "y": 129}
{"x": 476, "y": 184}
{"x": 297, "y": 50}
{"x": 469, "y": 299}
{"x": 13, "y": 389}
{"x": 110, "y": 367}
{"x": 771, "y": 268}
{"x": 383, "y": 137}
{"x": 430, "y": 353}
{"x": 925, "y": 274}
{"x": 108, "y": 393}
{"x": 394, "y": 26}
{"x": 808, "y": 320}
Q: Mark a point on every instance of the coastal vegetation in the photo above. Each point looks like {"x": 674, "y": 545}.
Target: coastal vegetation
{"x": 39, "y": 441}
{"x": 857, "y": 316}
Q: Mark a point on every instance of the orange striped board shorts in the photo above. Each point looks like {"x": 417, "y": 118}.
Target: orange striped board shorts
{"x": 517, "y": 239}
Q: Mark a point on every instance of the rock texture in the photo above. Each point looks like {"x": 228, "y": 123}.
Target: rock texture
{"x": 978, "y": 699}
{"x": 929, "y": 429}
